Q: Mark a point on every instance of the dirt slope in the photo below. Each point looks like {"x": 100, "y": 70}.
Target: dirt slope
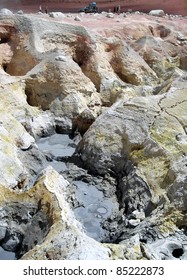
{"x": 170, "y": 6}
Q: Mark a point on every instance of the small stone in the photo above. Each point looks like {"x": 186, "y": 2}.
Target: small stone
{"x": 157, "y": 13}
{"x": 98, "y": 216}
{"x": 56, "y": 14}
{"x": 140, "y": 215}
{"x": 61, "y": 58}
{"x": 77, "y": 18}
{"x": 134, "y": 223}
{"x": 110, "y": 15}
{"x": 20, "y": 12}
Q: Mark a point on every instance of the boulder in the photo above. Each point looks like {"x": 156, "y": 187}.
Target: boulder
{"x": 110, "y": 15}
{"x": 6, "y": 12}
{"x": 160, "y": 55}
{"x": 124, "y": 62}
{"x": 77, "y": 18}
{"x": 20, "y": 12}
{"x": 157, "y": 13}
{"x": 138, "y": 138}
{"x": 56, "y": 90}
{"x": 56, "y": 15}
{"x": 13, "y": 173}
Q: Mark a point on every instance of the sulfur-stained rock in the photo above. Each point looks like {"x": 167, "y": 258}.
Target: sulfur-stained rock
{"x": 12, "y": 172}
{"x": 121, "y": 136}
{"x": 47, "y": 228}
{"x": 14, "y": 100}
{"x": 71, "y": 52}
{"x": 20, "y": 123}
{"x": 138, "y": 137}
{"x": 124, "y": 62}
{"x": 127, "y": 250}
{"x": 123, "y": 88}
{"x": 162, "y": 56}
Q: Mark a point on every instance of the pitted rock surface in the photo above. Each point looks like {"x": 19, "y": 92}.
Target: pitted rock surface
{"x": 119, "y": 93}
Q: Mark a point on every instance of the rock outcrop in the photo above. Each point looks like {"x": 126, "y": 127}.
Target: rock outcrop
{"x": 144, "y": 136}
{"x": 43, "y": 217}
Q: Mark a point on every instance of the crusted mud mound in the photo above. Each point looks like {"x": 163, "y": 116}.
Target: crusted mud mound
{"x": 93, "y": 135}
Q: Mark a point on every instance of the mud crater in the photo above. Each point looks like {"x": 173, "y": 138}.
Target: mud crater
{"x": 94, "y": 199}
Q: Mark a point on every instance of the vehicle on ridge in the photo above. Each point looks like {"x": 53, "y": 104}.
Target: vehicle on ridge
{"x": 91, "y": 8}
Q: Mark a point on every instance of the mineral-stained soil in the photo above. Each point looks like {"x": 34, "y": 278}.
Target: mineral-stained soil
{"x": 93, "y": 135}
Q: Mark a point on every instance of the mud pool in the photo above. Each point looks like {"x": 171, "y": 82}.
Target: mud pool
{"x": 5, "y": 255}
{"x": 93, "y": 207}
{"x": 56, "y": 147}
{"x": 92, "y": 203}
{"x": 93, "y": 210}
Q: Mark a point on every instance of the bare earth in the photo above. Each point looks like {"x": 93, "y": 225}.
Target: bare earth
{"x": 120, "y": 25}
{"x": 177, "y": 7}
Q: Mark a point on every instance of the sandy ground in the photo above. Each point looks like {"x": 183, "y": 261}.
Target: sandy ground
{"x": 100, "y": 23}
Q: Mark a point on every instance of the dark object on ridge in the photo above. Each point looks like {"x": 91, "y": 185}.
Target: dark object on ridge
{"x": 91, "y": 8}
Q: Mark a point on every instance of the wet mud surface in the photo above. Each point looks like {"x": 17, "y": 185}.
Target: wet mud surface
{"x": 92, "y": 205}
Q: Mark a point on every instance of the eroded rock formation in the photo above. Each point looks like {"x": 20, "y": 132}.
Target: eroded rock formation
{"x": 120, "y": 90}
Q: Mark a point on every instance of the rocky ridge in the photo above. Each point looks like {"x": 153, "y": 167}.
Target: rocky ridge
{"x": 121, "y": 93}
